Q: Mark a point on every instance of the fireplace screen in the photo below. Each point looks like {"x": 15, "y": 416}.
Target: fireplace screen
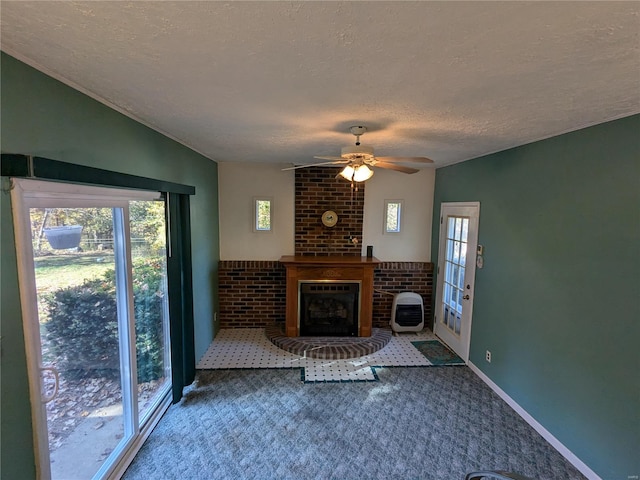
{"x": 329, "y": 308}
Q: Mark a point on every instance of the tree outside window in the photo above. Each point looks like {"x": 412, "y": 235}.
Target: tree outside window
{"x": 392, "y": 216}
{"x": 262, "y": 215}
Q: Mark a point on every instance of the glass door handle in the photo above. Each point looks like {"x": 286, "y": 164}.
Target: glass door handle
{"x": 56, "y": 385}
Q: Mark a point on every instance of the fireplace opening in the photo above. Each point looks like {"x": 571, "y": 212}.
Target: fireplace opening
{"x": 329, "y": 308}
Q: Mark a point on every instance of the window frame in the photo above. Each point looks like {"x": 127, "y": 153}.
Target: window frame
{"x": 35, "y": 193}
{"x": 256, "y": 215}
{"x": 385, "y": 216}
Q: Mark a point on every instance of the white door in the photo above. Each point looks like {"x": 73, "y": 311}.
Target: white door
{"x": 456, "y": 275}
{"x": 92, "y": 269}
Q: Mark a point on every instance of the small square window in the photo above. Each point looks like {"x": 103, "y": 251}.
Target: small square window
{"x": 262, "y": 208}
{"x": 392, "y": 216}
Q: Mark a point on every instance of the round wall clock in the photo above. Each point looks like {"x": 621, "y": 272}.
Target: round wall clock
{"x": 329, "y": 218}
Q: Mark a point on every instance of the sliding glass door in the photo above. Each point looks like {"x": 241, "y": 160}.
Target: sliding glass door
{"x": 92, "y": 265}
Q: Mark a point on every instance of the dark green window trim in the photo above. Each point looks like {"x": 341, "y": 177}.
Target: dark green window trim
{"x": 183, "y": 361}
{"x": 17, "y": 165}
{"x": 179, "y": 277}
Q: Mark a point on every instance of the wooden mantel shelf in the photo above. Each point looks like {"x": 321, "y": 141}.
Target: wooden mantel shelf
{"x": 348, "y": 268}
{"x": 333, "y": 260}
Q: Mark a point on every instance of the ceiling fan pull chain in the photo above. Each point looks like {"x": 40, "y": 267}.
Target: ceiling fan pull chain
{"x": 353, "y": 186}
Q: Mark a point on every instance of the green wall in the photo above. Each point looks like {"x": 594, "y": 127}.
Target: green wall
{"x": 40, "y": 116}
{"x": 557, "y": 302}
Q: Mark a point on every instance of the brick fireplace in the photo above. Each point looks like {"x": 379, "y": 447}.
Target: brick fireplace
{"x": 253, "y": 293}
{"x": 327, "y": 273}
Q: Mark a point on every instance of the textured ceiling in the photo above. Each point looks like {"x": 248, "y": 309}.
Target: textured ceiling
{"x": 283, "y": 81}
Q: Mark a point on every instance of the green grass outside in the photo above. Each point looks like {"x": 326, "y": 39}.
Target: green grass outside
{"x": 60, "y": 271}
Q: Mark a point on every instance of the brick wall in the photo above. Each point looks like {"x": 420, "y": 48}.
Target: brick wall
{"x": 252, "y": 293}
{"x": 317, "y": 190}
{"x": 396, "y": 277}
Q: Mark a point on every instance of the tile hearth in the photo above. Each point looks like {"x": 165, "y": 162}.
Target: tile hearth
{"x": 250, "y": 348}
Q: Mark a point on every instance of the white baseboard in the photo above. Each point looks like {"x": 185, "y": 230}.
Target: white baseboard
{"x": 555, "y": 443}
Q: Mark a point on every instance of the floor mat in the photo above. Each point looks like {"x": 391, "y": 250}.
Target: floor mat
{"x": 437, "y": 353}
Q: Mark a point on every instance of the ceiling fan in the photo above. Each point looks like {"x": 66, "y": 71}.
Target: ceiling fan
{"x": 357, "y": 160}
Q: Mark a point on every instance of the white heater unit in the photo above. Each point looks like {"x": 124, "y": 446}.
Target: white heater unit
{"x": 407, "y": 313}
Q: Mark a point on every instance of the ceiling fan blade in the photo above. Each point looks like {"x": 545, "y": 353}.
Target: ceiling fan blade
{"x": 336, "y": 159}
{"x": 393, "y": 166}
{"x": 313, "y": 165}
{"x": 405, "y": 159}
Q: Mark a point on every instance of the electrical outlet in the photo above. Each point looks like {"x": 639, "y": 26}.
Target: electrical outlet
{"x": 488, "y": 356}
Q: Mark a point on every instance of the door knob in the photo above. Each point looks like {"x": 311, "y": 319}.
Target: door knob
{"x": 466, "y": 297}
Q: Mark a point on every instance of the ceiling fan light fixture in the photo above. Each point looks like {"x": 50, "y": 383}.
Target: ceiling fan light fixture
{"x": 347, "y": 172}
{"x": 358, "y": 158}
{"x": 358, "y": 173}
{"x": 362, "y": 173}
